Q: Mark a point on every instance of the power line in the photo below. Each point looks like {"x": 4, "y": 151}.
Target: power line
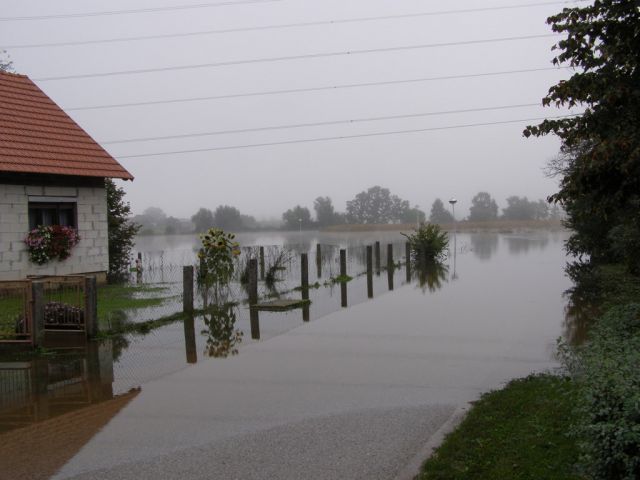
{"x": 135, "y": 11}
{"x": 342, "y": 137}
{"x": 280, "y": 26}
{"x": 319, "y": 124}
{"x": 314, "y": 89}
{"x": 296, "y": 57}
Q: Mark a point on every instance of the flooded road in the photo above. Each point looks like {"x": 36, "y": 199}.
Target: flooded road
{"x": 355, "y": 389}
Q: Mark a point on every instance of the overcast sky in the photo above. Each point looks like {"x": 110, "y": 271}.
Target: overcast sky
{"x": 266, "y": 180}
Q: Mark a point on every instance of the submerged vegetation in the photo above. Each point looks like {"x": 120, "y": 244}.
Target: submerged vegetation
{"x": 428, "y": 244}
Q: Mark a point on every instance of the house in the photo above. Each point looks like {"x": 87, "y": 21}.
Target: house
{"x": 51, "y": 173}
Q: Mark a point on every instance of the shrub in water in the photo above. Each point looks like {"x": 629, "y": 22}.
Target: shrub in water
{"x": 216, "y": 257}
{"x": 428, "y": 244}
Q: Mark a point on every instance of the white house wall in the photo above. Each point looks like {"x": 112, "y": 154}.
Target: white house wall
{"x": 90, "y": 255}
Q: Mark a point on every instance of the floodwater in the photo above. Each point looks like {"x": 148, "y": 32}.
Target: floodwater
{"x": 493, "y": 311}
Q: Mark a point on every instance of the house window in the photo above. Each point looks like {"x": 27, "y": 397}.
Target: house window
{"x": 48, "y": 211}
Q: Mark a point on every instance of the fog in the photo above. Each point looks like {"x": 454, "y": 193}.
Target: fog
{"x": 429, "y": 160}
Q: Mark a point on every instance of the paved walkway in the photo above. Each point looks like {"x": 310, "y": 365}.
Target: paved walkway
{"x": 352, "y": 395}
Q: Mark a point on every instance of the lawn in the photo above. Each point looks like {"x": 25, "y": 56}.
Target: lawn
{"x": 517, "y": 433}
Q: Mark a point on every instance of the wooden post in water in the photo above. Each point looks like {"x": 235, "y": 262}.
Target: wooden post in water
{"x": 37, "y": 297}
{"x": 90, "y": 307}
{"x": 261, "y": 263}
{"x": 377, "y": 254}
{"x": 343, "y": 274}
{"x": 390, "y": 265}
{"x": 253, "y": 299}
{"x": 187, "y": 289}
{"x": 139, "y": 268}
{"x": 407, "y": 254}
{"x": 319, "y": 260}
{"x": 369, "y": 271}
{"x": 190, "y": 339}
{"x": 304, "y": 281}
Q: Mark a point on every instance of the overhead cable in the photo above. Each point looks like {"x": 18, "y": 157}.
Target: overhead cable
{"x": 295, "y": 57}
{"x": 319, "y": 124}
{"x": 313, "y": 89}
{"x": 341, "y": 137}
{"x": 279, "y": 26}
{"x": 135, "y": 11}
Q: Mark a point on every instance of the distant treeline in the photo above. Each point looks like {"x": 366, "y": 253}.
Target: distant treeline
{"x": 376, "y": 205}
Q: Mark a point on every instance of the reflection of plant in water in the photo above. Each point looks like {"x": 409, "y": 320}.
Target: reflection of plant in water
{"x": 222, "y": 336}
{"x": 430, "y": 275}
{"x": 428, "y": 243}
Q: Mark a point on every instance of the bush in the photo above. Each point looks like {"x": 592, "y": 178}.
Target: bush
{"x": 217, "y": 257}
{"x": 428, "y": 244}
{"x": 608, "y": 408}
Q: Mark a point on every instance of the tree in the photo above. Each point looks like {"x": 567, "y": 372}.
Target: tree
{"x": 483, "y": 208}
{"x": 439, "y": 214}
{"x": 377, "y": 205}
{"x": 599, "y": 164}
{"x": 325, "y": 213}
{"x": 413, "y": 215}
{"x": 227, "y": 218}
{"x": 121, "y": 230}
{"x": 297, "y": 217}
{"x": 6, "y": 65}
{"x": 202, "y": 220}
{"x": 249, "y": 222}
{"x": 172, "y": 226}
{"x": 519, "y": 208}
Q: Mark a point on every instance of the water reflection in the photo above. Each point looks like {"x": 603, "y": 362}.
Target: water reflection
{"x": 223, "y": 338}
{"x": 519, "y": 245}
{"x": 44, "y": 387}
{"x": 484, "y": 245}
{"x": 430, "y": 275}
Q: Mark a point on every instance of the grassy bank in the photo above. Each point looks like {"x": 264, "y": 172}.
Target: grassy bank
{"x": 515, "y": 433}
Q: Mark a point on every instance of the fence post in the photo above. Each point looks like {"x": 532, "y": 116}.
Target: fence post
{"x": 190, "y": 339}
{"x": 261, "y": 263}
{"x": 90, "y": 306}
{"x": 187, "y": 289}
{"x": 377, "y": 256}
{"x": 343, "y": 273}
{"x": 304, "y": 280}
{"x": 369, "y": 271}
{"x": 37, "y": 297}
{"x": 319, "y": 259}
{"x": 390, "y": 265}
{"x": 407, "y": 254}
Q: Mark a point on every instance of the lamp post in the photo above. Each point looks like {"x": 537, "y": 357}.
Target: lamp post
{"x": 453, "y": 202}
{"x": 300, "y": 225}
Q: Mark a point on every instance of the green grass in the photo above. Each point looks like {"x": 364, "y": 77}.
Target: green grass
{"x": 111, "y": 299}
{"x": 126, "y": 297}
{"x": 515, "y": 433}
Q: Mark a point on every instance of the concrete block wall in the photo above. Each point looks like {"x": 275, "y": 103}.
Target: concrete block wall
{"x": 90, "y": 255}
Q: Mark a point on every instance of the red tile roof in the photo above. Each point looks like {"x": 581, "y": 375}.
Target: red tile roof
{"x": 37, "y": 136}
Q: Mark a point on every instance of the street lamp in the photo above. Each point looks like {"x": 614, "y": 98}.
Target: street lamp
{"x": 453, "y": 202}
{"x": 300, "y": 225}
